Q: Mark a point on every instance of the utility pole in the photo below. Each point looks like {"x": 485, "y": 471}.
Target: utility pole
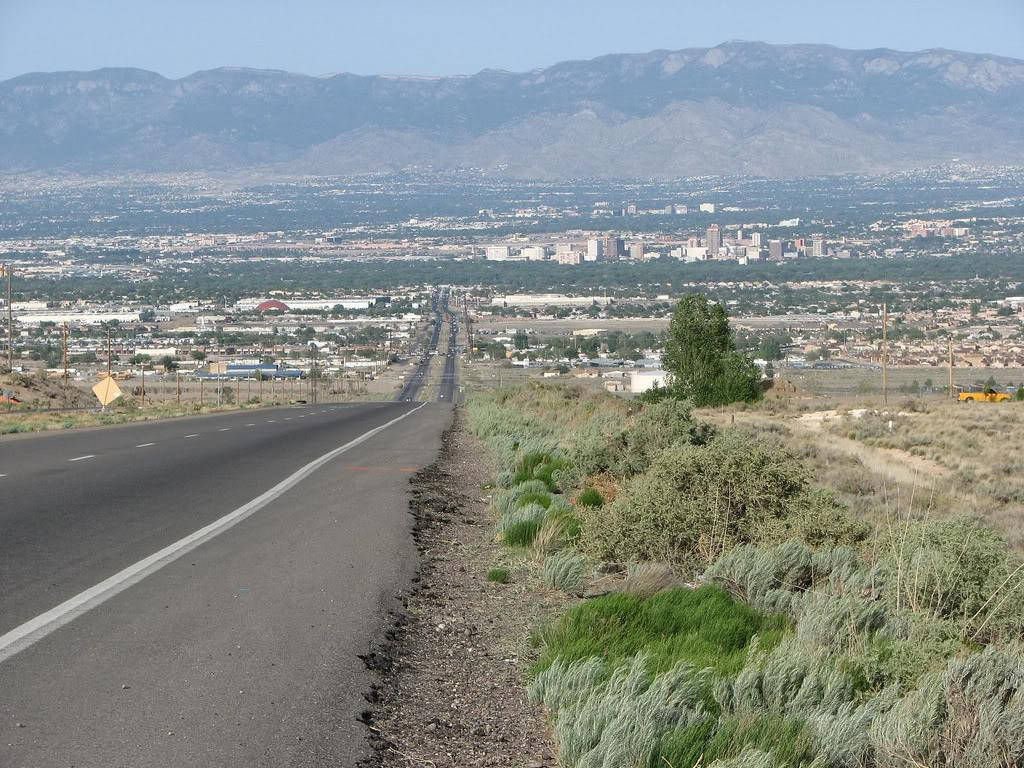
{"x": 110, "y": 356}
{"x": 952, "y": 392}
{"x": 177, "y": 387}
{"x": 142, "y": 367}
{"x": 885, "y": 354}
{"x": 10, "y": 319}
{"x": 64, "y": 337}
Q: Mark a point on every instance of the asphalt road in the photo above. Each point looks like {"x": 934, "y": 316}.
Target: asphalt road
{"x": 239, "y": 648}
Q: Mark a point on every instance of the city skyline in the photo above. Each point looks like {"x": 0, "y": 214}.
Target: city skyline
{"x": 404, "y": 39}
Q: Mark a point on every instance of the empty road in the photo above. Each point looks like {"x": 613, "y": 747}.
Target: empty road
{"x": 197, "y": 591}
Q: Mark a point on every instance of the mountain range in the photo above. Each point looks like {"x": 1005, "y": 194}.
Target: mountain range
{"x": 737, "y": 108}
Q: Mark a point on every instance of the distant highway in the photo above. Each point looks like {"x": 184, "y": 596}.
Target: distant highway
{"x": 416, "y": 380}
{"x": 197, "y": 591}
{"x": 448, "y": 376}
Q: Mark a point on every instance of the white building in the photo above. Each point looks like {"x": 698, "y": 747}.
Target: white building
{"x": 547, "y": 299}
{"x": 707, "y": 207}
{"x": 595, "y": 250}
{"x": 498, "y": 253}
{"x": 642, "y": 381}
{"x": 534, "y": 253}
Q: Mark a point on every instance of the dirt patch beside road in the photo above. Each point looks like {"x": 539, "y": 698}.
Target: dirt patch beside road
{"x": 453, "y": 691}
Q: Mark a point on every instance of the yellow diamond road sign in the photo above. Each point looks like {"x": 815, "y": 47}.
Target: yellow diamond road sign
{"x": 107, "y": 391}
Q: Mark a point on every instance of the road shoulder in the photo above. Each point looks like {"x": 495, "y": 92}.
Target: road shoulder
{"x": 453, "y": 675}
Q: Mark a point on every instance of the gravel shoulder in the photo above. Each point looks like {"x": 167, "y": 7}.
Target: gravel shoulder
{"x": 453, "y": 672}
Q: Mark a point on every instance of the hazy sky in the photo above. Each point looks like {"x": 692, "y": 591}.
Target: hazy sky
{"x": 176, "y": 37}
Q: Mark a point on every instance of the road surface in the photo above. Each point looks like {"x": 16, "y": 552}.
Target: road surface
{"x": 196, "y": 591}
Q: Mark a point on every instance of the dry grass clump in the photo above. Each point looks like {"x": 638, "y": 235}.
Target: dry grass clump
{"x": 648, "y": 579}
{"x": 565, "y": 570}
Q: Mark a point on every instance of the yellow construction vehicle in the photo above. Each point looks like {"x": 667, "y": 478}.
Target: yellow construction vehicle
{"x": 988, "y": 395}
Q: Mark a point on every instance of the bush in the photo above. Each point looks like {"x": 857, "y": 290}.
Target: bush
{"x": 654, "y": 429}
{"x": 955, "y": 569}
{"x": 565, "y": 571}
{"x": 499, "y": 575}
{"x": 697, "y": 501}
{"x": 969, "y": 716}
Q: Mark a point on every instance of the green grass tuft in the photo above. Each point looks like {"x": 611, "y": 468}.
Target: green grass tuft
{"x": 523, "y": 532}
{"x": 704, "y": 626}
{"x": 790, "y": 741}
{"x": 499, "y": 575}
{"x": 590, "y": 497}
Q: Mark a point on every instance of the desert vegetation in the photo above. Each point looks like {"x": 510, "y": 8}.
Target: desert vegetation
{"x": 739, "y": 608}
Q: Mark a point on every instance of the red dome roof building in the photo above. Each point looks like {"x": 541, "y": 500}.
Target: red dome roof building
{"x": 273, "y": 305}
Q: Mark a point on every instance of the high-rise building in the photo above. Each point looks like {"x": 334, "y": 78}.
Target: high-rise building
{"x": 757, "y": 239}
{"x": 775, "y": 250}
{"x": 714, "y": 240}
{"x": 817, "y": 247}
{"x": 595, "y": 250}
{"x": 612, "y": 248}
{"x": 636, "y": 252}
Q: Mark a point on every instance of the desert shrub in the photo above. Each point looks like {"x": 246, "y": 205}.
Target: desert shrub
{"x": 655, "y": 428}
{"x": 565, "y": 570}
{"x": 696, "y": 501}
{"x": 971, "y": 715}
{"x": 608, "y": 717}
{"x": 499, "y": 575}
{"x": 785, "y": 741}
{"x": 704, "y": 626}
{"x": 955, "y": 569}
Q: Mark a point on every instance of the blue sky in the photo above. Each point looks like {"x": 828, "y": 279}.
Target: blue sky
{"x": 176, "y": 37}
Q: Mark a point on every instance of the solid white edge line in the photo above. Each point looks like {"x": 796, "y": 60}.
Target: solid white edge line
{"x": 36, "y": 629}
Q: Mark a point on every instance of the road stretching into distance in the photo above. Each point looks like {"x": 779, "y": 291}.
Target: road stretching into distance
{"x": 196, "y": 591}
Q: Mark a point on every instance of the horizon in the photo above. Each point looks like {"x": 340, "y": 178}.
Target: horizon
{"x": 427, "y": 76}
{"x": 401, "y": 39}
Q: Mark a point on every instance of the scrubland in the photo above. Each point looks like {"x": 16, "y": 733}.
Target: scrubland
{"x": 756, "y": 592}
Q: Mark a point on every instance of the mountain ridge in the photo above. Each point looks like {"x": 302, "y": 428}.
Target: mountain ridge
{"x": 736, "y": 107}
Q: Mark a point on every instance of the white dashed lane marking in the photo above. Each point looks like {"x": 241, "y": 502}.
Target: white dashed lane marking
{"x": 144, "y": 445}
{"x": 224, "y": 429}
{"x": 83, "y": 458}
{"x": 250, "y": 425}
{"x": 193, "y": 435}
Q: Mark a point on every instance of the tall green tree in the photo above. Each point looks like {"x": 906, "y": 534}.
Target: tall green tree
{"x": 701, "y": 355}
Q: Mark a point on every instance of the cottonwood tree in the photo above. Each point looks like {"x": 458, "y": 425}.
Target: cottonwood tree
{"x": 701, "y": 356}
